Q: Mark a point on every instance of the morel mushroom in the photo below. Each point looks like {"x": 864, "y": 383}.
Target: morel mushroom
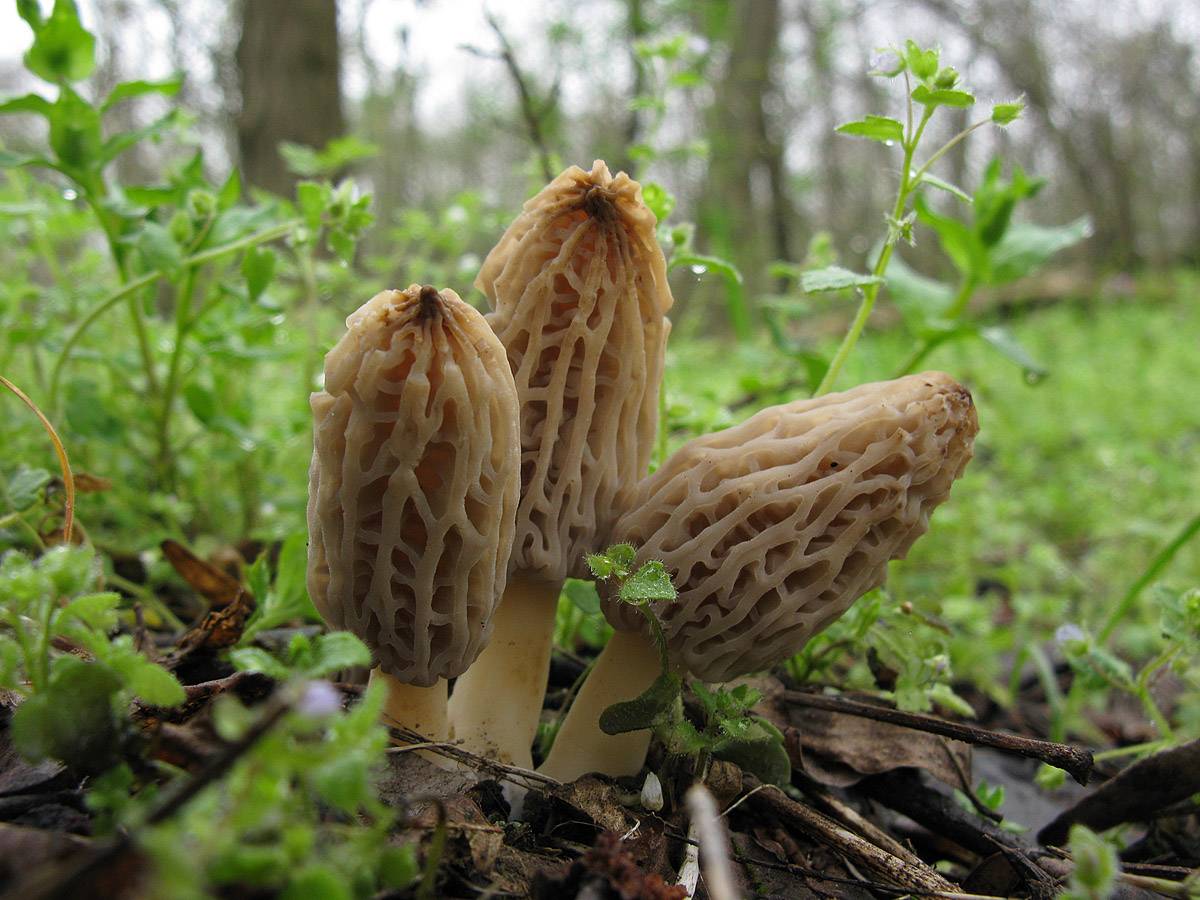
{"x": 413, "y": 492}
{"x": 771, "y": 530}
{"x": 579, "y": 289}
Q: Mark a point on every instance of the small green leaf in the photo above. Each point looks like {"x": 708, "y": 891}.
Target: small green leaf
{"x": 258, "y": 268}
{"x": 72, "y": 720}
{"x": 944, "y": 695}
{"x": 1025, "y": 248}
{"x": 25, "y": 486}
{"x": 582, "y": 595}
{"x": 88, "y": 413}
{"x": 148, "y": 682}
{"x": 928, "y": 96}
{"x": 947, "y": 77}
{"x": 75, "y": 132}
{"x": 28, "y": 103}
{"x": 317, "y": 882}
{"x": 700, "y": 263}
{"x": 762, "y": 752}
{"x": 649, "y": 583}
{"x": 659, "y": 199}
{"x": 31, "y": 12}
{"x": 933, "y": 181}
{"x": 1004, "y": 341}
{"x": 1096, "y": 864}
{"x": 875, "y": 128}
{"x": 1007, "y": 113}
{"x": 158, "y": 248}
{"x": 645, "y": 710}
{"x": 922, "y": 63}
{"x": 11, "y": 160}
{"x": 127, "y": 90}
{"x": 255, "y": 659}
{"x": 344, "y": 783}
{"x": 123, "y": 140}
{"x": 249, "y": 864}
{"x": 958, "y": 241}
{"x": 308, "y": 162}
{"x": 337, "y": 650}
{"x": 312, "y": 198}
{"x": 63, "y": 50}
{"x": 201, "y": 401}
{"x": 622, "y": 555}
{"x": 231, "y": 190}
{"x": 94, "y": 610}
{"x": 398, "y": 866}
{"x": 835, "y": 278}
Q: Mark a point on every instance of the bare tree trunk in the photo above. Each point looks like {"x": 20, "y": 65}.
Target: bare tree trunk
{"x": 746, "y": 163}
{"x": 289, "y": 67}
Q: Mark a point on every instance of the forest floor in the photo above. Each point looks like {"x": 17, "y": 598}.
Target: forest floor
{"x": 1077, "y": 481}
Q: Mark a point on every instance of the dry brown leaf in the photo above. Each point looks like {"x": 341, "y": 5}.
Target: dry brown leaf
{"x": 840, "y": 750}
{"x": 214, "y": 584}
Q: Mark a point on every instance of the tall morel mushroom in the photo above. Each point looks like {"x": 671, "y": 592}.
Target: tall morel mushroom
{"x": 771, "y": 530}
{"x": 579, "y": 288}
{"x": 413, "y": 492}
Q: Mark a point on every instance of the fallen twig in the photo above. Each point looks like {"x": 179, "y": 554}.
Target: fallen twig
{"x": 911, "y": 876}
{"x": 1074, "y": 760}
{"x": 906, "y": 792}
{"x": 713, "y": 845}
{"x": 851, "y": 819}
{"x": 524, "y": 777}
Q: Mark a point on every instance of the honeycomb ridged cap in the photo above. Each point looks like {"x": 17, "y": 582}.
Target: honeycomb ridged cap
{"x": 413, "y": 483}
{"x": 773, "y": 528}
{"x": 578, "y": 284}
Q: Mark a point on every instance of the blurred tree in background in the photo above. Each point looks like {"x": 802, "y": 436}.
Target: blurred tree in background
{"x": 290, "y": 68}
{"x": 730, "y": 104}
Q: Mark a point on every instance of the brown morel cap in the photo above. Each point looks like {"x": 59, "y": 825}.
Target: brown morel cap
{"x": 579, "y": 288}
{"x": 773, "y": 528}
{"x": 413, "y": 484}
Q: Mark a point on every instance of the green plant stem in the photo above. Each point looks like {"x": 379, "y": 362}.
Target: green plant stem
{"x": 1160, "y": 562}
{"x": 183, "y": 310}
{"x": 198, "y": 259}
{"x": 146, "y": 596}
{"x": 946, "y": 148}
{"x": 308, "y": 274}
{"x": 93, "y": 195}
{"x": 953, "y": 313}
{"x": 1142, "y": 689}
{"x": 871, "y": 291}
{"x": 1131, "y": 750}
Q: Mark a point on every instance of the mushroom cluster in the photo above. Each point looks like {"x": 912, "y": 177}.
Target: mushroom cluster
{"x": 464, "y": 467}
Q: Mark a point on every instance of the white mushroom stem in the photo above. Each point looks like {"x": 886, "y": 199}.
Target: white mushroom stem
{"x": 626, "y": 667}
{"x": 422, "y": 709}
{"x": 497, "y": 703}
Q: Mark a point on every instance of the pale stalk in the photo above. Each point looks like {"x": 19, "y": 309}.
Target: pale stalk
{"x": 625, "y": 668}
{"x": 422, "y": 709}
{"x": 497, "y": 703}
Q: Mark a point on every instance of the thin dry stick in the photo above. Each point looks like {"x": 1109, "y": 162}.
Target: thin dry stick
{"x": 874, "y": 886}
{"x": 714, "y": 845}
{"x": 1074, "y": 760}
{"x": 821, "y": 828}
{"x": 533, "y": 121}
{"x": 851, "y": 819}
{"x": 60, "y": 450}
{"x": 516, "y": 774}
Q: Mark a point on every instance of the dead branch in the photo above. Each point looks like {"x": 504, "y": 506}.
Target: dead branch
{"x": 1074, "y": 760}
